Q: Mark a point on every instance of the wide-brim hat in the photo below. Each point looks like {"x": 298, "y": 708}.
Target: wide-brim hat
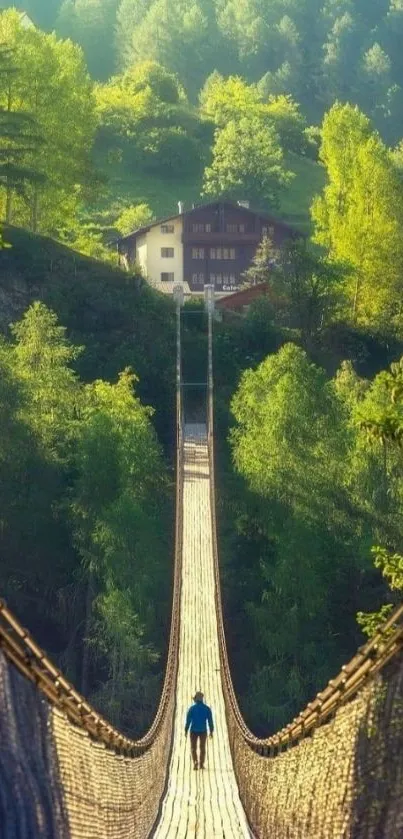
{"x": 198, "y": 697}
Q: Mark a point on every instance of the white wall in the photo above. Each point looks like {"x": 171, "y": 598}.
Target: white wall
{"x": 141, "y": 252}
{"x": 155, "y": 263}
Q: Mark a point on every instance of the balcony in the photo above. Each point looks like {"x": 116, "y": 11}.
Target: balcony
{"x": 220, "y": 237}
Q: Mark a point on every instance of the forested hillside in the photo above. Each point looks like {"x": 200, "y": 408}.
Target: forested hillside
{"x": 315, "y": 50}
{"x": 110, "y": 112}
{"x": 154, "y": 144}
{"x": 86, "y": 488}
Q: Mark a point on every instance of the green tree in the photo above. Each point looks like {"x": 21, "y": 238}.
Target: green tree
{"x": 129, "y": 15}
{"x": 53, "y": 87}
{"x": 360, "y": 214}
{"x": 224, "y": 99}
{"x": 309, "y": 286}
{"x": 382, "y": 417}
{"x": 38, "y": 561}
{"x": 391, "y": 566}
{"x": 261, "y": 269}
{"x": 290, "y": 444}
{"x": 145, "y": 114}
{"x": 377, "y": 411}
{"x": 250, "y": 27}
{"x": 18, "y": 136}
{"x": 287, "y": 391}
{"x": 341, "y": 54}
{"x": 89, "y": 489}
{"x": 118, "y": 496}
{"x": 91, "y": 24}
{"x": 247, "y": 160}
{"x": 288, "y": 121}
{"x": 43, "y": 360}
{"x": 179, "y": 35}
{"x": 134, "y": 217}
{"x": 227, "y": 99}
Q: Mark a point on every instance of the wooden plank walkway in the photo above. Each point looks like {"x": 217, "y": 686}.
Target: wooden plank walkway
{"x": 203, "y": 804}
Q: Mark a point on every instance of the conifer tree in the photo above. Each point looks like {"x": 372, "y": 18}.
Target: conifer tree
{"x": 262, "y": 263}
{"x": 18, "y": 136}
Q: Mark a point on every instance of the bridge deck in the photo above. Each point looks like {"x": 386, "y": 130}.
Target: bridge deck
{"x": 200, "y": 804}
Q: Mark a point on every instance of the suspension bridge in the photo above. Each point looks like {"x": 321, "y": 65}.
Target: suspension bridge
{"x": 335, "y": 772}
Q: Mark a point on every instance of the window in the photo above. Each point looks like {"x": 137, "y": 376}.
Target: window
{"x": 198, "y": 278}
{"x": 235, "y": 228}
{"x": 268, "y": 231}
{"x": 264, "y": 232}
{"x": 230, "y": 282}
{"x": 167, "y": 252}
{"x": 222, "y": 253}
{"x": 197, "y": 253}
{"x": 167, "y": 277}
{"x": 167, "y": 228}
{"x": 201, "y": 228}
{"x": 218, "y": 279}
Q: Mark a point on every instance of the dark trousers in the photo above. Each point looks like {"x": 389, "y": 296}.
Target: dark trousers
{"x": 194, "y": 737}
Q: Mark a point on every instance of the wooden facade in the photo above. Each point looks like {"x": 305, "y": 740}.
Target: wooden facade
{"x": 218, "y": 241}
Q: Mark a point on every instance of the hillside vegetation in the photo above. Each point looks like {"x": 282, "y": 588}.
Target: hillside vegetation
{"x": 295, "y": 105}
{"x": 86, "y": 491}
{"x": 127, "y": 187}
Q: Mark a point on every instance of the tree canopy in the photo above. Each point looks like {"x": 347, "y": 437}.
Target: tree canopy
{"x": 84, "y": 498}
{"x": 247, "y": 159}
{"x": 51, "y": 87}
{"x": 314, "y": 50}
{"x": 360, "y": 214}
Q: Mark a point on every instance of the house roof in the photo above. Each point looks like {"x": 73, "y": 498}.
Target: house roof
{"x": 243, "y": 297}
{"x": 26, "y": 21}
{"x": 268, "y": 216}
{"x": 167, "y": 286}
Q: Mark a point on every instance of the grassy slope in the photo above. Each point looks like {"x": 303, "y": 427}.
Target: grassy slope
{"x": 309, "y": 181}
{"x": 130, "y": 187}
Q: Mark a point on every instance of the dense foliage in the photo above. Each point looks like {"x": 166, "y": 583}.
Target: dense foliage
{"x": 48, "y": 82}
{"x": 84, "y": 534}
{"x": 315, "y": 50}
{"x": 360, "y": 215}
{"x": 272, "y": 100}
{"x": 86, "y": 493}
{"x": 313, "y": 493}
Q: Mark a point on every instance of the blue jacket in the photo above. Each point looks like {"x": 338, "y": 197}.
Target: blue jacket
{"x": 197, "y": 718}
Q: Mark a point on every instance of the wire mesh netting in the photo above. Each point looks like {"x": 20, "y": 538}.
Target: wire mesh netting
{"x": 344, "y": 781}
{"x": 31, "y": 794}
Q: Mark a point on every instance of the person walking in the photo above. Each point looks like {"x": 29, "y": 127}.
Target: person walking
{"x": 197, "y": 718}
